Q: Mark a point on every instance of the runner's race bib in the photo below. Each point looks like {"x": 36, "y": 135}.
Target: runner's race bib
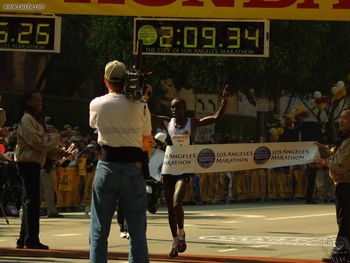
{"x": 180, "y": 140}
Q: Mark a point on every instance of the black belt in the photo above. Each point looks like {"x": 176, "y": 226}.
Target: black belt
{"x": 123, "y": 154}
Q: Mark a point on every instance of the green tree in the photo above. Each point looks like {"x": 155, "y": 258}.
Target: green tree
{"x": 304, "y": 56}
{"x": 66, "y": 71}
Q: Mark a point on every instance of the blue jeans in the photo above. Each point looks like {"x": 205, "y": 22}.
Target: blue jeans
{"x": 123, "y": 181}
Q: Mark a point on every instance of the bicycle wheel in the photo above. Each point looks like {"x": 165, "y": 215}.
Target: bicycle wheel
{"x": 12, "y": 199}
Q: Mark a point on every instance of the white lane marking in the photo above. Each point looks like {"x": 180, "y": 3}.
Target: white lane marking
{"x": 257, "y": 246}
{"x": 238, "y": 215}
{"x": 67, "y": 235}
{"x": 295, "y": 217}
{"x": 248, "y": 216}
{"x": 260, "y": 207}
{"x": 227, "y": 250}
{"x": 270, "y": 240}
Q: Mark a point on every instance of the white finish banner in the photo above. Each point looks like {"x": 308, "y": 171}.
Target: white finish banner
{"x": 235, "y": 157}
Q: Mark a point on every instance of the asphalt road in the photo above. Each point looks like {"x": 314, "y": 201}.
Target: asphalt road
{"x": 290, "y": 230}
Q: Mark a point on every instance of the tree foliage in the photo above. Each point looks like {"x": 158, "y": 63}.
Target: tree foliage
{"x": 66, "y": 71}
{"x": 111, "y": 38}
{"x": 304, "y": 56}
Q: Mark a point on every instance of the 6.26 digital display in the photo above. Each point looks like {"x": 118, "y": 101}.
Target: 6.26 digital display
{"x": 197, "y": 37}
{"x": 30, "y": 33}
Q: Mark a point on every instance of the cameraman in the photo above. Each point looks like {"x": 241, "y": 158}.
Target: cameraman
{"x": 121, "y": 123}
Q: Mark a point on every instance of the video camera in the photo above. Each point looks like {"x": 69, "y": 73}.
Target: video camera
{"x": 135, "y": 79}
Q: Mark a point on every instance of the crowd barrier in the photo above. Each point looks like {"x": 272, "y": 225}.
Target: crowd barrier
{"x": 258, "y": 184}
{"x": 72, "y": 185}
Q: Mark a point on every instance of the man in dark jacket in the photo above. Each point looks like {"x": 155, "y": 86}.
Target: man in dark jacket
{"x": 338, "y": 161}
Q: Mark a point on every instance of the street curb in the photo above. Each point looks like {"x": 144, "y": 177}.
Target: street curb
{"x": 161, "y": 257}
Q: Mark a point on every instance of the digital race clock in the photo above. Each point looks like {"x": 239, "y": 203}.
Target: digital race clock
{"x": 30, "y": 33}
{"x": 197, "y": 37}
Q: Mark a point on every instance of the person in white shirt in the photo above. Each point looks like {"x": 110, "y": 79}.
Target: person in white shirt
{"x": 121, "y": 122}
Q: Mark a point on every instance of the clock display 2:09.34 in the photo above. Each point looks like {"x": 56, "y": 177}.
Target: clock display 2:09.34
{"x": 239, "y": 35}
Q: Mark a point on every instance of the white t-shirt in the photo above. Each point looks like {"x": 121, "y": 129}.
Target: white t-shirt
{"x": 120, "y": 121}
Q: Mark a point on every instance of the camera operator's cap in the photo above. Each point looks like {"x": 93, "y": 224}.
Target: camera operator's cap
{"x": 115, "y": 71}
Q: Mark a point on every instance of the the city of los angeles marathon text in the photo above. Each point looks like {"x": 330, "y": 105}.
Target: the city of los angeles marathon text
{"x": 24, "y": 6}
